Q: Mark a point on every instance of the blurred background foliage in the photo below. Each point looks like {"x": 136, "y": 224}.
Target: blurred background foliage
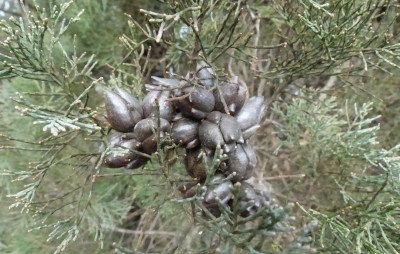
{"x": 327, "y": 71}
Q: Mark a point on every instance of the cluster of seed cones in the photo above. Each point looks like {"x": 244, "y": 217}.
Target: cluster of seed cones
{"x": 201, "y": 115}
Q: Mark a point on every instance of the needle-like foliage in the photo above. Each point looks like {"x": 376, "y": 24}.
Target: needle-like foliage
{"x": 326, "y": 69}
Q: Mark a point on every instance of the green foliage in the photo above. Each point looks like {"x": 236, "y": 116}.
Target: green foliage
{"x": 58, "y": 57}
{"x": 94, "y": 35}
{"x": 356, "y": 167}
{"x": 322, "y": 38}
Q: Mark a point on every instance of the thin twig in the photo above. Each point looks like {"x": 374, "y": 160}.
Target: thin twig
{"x": 283, "y": 176}
{"x": 140, "y": 232}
